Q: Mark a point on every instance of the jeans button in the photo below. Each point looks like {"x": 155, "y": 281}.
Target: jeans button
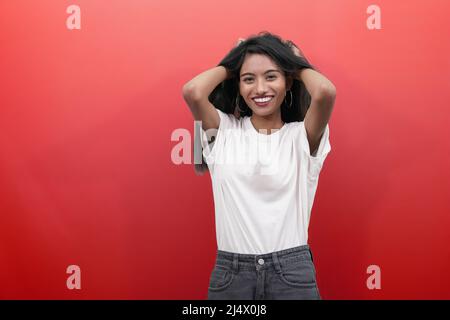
{"x": 261, "y": 261}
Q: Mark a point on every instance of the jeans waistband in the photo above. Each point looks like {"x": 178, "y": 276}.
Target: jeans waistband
{"x": 262, "y": 261}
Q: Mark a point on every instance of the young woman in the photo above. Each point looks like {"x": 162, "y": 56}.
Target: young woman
{"x": 266, "y": 102}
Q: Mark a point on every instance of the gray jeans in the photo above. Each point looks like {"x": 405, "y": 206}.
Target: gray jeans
{"x": 282, "y": 275}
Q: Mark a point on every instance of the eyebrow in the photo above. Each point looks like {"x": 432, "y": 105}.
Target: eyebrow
{"x": 252, "y": 74}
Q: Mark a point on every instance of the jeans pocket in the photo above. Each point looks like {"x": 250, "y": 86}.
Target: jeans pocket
{"x": 221, "y": 278}
{"x": 300, "y": 274}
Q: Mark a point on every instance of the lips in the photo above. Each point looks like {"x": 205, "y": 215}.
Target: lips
{"x": 262, "y": 101}
{"x": 261, "y": 97}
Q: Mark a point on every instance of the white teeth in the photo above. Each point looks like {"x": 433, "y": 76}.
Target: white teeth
{"x": 261, "y": 100}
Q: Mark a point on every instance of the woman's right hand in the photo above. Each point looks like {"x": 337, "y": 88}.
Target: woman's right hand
{"x": 239, "y": 41}
{"x": 229, "y": 74}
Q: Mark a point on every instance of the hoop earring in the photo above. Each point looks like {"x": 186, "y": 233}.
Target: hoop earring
{"x": 237, "y": 103}
{"x": 290, "y": 104}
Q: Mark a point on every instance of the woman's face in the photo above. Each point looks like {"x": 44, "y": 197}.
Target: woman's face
{"x": 261, "y": 77}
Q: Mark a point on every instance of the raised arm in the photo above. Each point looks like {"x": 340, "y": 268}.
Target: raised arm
{"x": 196, "y": 92}
{"x": 323, "y": 95}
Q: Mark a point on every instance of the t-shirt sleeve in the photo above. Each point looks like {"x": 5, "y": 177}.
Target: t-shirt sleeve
{"x": 212, "y": 137}
{"x": 315, "y": 161}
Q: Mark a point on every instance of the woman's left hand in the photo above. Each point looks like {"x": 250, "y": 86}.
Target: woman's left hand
{"x": 295, "y": 49}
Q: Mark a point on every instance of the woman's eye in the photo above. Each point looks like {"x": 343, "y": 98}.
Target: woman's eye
{"x": 269, "y": 77}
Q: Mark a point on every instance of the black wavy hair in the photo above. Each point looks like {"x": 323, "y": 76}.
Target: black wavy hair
{"x": 223, "y": 97}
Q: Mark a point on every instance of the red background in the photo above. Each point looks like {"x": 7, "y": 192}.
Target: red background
{"x": 86, "y": 118}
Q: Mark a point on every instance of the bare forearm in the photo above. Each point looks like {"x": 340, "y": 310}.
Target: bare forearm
{"x": 315, "y": 82}
{"x": 203, "y": 84}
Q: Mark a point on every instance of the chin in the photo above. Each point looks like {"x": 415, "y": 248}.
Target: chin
{"x": 264, "y": 111}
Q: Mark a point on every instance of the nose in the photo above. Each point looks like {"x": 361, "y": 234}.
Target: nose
{"x": 261, "y": 88}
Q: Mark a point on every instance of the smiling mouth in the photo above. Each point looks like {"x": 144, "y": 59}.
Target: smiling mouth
{"x": 263, "y": 101}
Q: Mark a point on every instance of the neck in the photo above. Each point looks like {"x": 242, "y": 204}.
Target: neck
{"x": 267, "y": 124}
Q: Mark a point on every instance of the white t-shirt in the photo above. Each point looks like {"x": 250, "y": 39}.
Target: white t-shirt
{"x": 263, "y": 185}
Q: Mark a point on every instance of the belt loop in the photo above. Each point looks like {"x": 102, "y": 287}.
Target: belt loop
{"x": 276, "y": 262}
{"x": 235, "y": 263}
